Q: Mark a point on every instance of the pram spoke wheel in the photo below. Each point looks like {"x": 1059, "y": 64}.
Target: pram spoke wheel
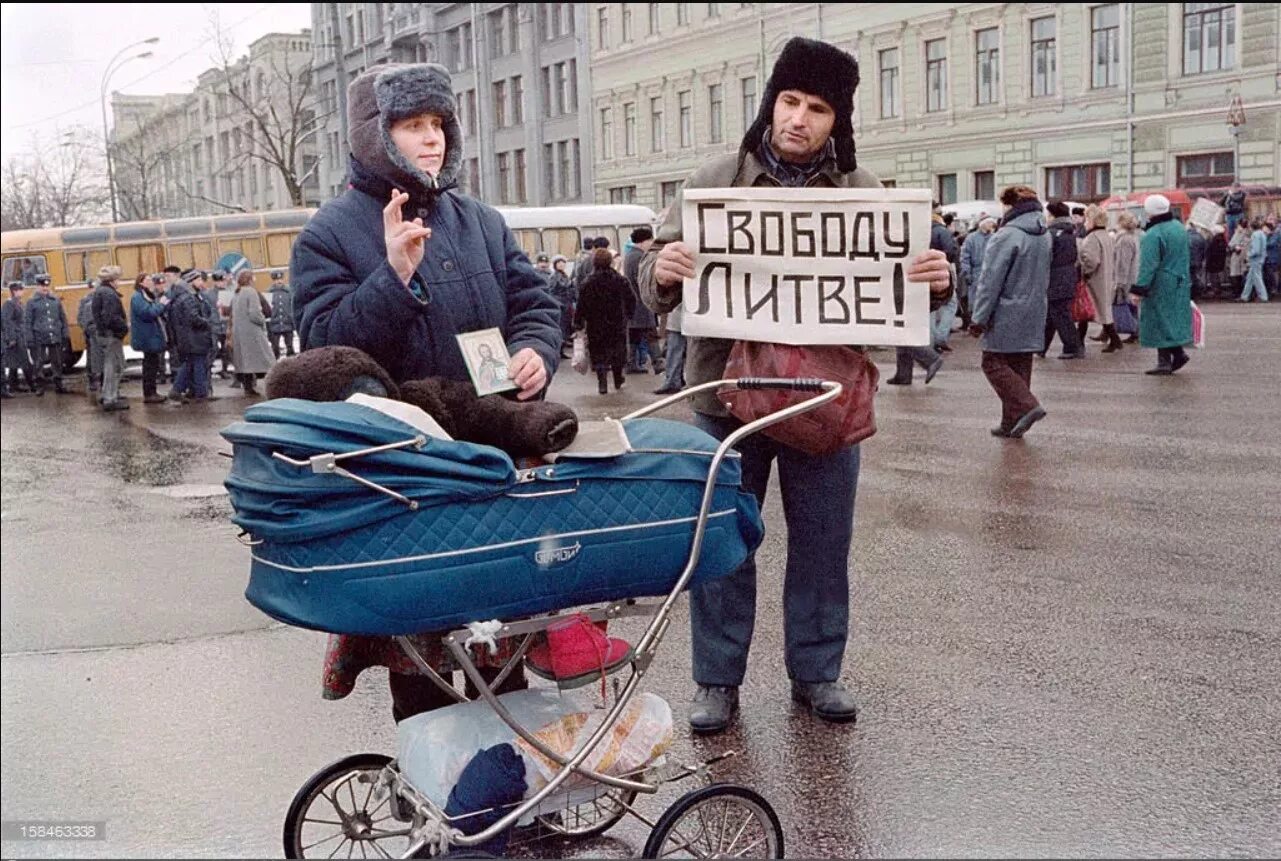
{"x": 719, "y": 821}
{"x": 589, "y": 818}
{"x": 336, "y": 814}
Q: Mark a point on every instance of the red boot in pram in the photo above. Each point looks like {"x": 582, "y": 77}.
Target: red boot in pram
{"x": 577, "y": 652}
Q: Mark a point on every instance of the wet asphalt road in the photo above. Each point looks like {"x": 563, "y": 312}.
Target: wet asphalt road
{"x": 1069, "y": 645}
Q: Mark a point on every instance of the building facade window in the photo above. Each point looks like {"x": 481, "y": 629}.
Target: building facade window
{"x": 1044, "y": 56}
{"x": 602, "y": 28}
{"x": 888, "y": 62}
{"x": 627, "y": 22}
{"x": 667, "y": 193}
{"x": 1209, "y": 37}
{"x": 549, "y": 171}
{"x": 500, "y": 104}
{"x": 569, "y": 96}
{"x": 987, "y": 66}
{"x": 606, "y": 133}
{"x": 984, "y": 185}
{"x": 936, "y": 75}
{"x": 653, "y": 18}
{"x": 504, "y": 177}
{"x": 458, "y": 53}
{"x": 1105, "y": 46}
{"x": 518, "y": 100}
{"x": 713, "y": 10}
{"x": 1084, "y": 183}
{"x": 629, "y": 128}
{"x": 472, "y": 116}
{"x": 623, "y": 194}
{"x": 716, "y": 113}
{"x": 521, "y": 195}
{"x": 656, "y": 135}
{"x": 1207, "y": 170}
{"x": 748, "y": 87}
{"x": 682, "y": 14}
{"x": 549, "y": 91}
{"x": 945, "y": 188}
{"x": 685, "y": 105}
{"x": 473, "y": 177}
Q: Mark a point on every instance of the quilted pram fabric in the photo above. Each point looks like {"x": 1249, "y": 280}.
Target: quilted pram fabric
{"x": 486, "y": 541}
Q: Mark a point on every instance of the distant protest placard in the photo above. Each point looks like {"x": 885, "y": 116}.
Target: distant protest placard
{"x": 1206, "y": 213}
{"x": 807, "y": 265}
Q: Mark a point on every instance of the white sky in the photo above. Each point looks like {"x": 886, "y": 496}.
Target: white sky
{"x": 54, "y": 56}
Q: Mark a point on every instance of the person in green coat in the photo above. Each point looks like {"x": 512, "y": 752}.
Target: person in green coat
{"x": 1165, "y": 315}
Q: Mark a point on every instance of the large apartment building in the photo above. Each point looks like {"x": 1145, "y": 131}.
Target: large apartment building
{"x": 201, "y": 153}
{"x": 519, "y": 73}
{"x": 1079, "y": 100}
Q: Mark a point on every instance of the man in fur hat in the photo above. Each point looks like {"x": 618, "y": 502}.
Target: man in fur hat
{"x": 802, "y": 137}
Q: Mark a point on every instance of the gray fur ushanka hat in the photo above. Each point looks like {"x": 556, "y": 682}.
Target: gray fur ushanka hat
{"x": 821, "y": 70}
{"x": 392, "y": 92}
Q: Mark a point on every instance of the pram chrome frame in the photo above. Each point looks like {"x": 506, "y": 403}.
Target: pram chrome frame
{"x": 432, "y": 826}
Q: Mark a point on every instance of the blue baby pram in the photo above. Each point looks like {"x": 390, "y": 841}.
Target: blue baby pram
{"x": 360, "y": 524}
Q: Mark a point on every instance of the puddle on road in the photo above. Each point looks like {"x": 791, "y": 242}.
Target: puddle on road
{"x": 139, "y": 456}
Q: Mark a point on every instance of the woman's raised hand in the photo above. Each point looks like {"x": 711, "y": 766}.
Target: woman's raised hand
{"x": 406, "y": 240}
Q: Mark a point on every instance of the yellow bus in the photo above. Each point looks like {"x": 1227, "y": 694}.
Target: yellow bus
{"x": 72, "y": 256}
{"x": 561, "y": 229}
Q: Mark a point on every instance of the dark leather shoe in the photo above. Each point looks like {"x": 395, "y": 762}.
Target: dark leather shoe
{"x": 1179, "y": 361}
{"x": 713, "y": 709}
{"x": 897, "y": 381}
{"x": 1000, "y": 431}
{"x": 1029, "y": 418}
{"x": 1160, "y": 371}
{"x": 933, "y": 369}
{"x": 827, "y": 700}
{"x": 664, "y": 390}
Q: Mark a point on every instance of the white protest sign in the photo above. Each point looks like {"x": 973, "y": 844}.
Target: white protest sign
{"x": 1206, "y": 213}
{"x": 807, "y": 265}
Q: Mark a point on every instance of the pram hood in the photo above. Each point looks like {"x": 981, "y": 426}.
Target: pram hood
{"x": 278, "y": 501}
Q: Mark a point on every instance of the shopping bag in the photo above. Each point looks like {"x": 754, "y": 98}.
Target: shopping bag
{"x": 1198, "y": 327}
{"x": 580, "y": 361}
{"x": 1083, "y": 309}
{"x": 1124, "y": 314}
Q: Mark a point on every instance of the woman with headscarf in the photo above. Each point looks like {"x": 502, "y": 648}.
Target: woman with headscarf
{"x": 1098, "y": 257}
{"x": 1165, "y": 315}
{"x": 606, "y": 306}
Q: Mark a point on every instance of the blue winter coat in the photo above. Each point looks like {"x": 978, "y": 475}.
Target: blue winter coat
{"x": 1011, "y": 298}
{"x": 148, "y": 333}
{"x": 972, "y": 256}
{"x": 473, "y": 276}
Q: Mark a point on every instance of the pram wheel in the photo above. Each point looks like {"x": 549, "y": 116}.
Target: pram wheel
{"x": 589, "y": 818}
{"x": 719, "y": 821}
{"x": 335, "y": 812}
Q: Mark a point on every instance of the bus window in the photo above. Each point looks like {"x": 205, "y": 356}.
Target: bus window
{"x": 189, "y": 254}
{"x": 25, "y": 269}
{"x": 278, "y": 247}
{"x": 562, "y": 240}
{"x": 527, "y": 239}
{"x": 84, "y": 265}
{"x": 609, "y": 232}
{"x": 135, "y": 260}
{"x": 250, "y": 246}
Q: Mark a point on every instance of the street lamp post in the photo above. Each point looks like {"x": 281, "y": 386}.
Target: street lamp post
{"x": 112, "y": 68}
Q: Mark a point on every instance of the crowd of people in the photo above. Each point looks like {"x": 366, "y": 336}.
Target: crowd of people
{"x": 182, "y": 321}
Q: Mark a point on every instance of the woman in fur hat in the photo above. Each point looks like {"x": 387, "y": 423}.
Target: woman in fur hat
{"x": 397, "y": 266}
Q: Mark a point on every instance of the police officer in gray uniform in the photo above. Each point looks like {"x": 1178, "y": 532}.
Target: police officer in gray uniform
{"x": 16, "y": 359}
{"x": 47, "y": 332}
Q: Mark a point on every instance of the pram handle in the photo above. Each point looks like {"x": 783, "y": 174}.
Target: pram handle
{"x": 797, "y": 385}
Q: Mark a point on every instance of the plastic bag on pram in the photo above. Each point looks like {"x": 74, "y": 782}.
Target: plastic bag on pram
{"x": 434, "y": 747}
{"x": 483, "y": 540}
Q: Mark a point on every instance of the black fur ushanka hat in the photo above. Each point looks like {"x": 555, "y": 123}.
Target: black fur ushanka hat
{"x": 818, "y": 69}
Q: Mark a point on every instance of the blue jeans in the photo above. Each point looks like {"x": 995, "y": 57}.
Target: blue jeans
{"x": 941, "y": 321}
{"x": 1254, "y": 282}
{"x": 1233, "y": 220}
{"x": 675, "y": 361}
{"x": 640, "y": 348}
{"x": 193, "y": 375}
{"x": 818, "y": 505}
